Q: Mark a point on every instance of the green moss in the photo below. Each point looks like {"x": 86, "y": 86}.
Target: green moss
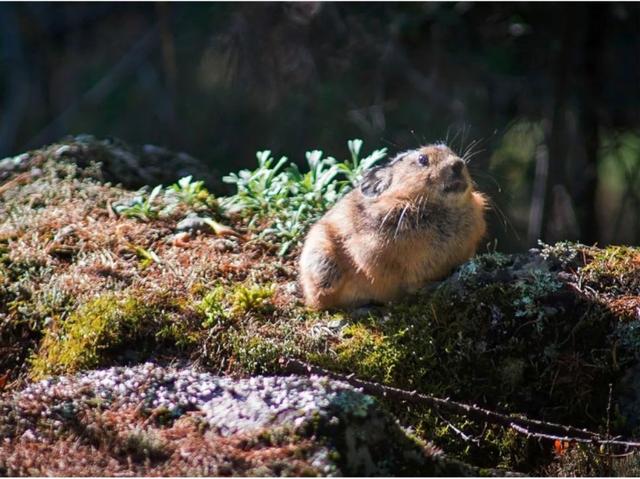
{"x": 256, "y": 354}
{"x": 101, "y": 328}
{"x": 430, "y": 345}
{"x": 614, "y": 269}
{"x": 222, "y": 303}
{"x": 252, "y": 298}
{"x": 177, "y": 332}
{"x": 234, "y": 314}
{"x": 369, "y": 352}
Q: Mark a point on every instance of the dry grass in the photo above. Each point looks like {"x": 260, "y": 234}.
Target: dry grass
{"x": 122, "y": 443}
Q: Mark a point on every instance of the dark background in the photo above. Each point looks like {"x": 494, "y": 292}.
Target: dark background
{"x": 550, "y": 92}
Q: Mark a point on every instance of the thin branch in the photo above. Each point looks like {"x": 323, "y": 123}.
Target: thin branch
{"x": 459, "y": 432}
{"x": 520, "y": 424}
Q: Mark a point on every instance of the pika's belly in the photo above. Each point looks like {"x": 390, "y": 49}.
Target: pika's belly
{"x": 407, "y": 267}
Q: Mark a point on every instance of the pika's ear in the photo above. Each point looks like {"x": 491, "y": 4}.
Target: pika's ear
{"x": 376, "y": 181}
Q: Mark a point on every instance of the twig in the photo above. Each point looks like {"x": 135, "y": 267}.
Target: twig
{"x": 521, "y": 424}
{"x": 609, "y": 411}
{"x": 459, "y": 432}
{"x": 595, "y": 441}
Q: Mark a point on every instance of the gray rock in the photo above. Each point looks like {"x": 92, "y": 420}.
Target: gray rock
{"x": 223, "y": 245}
{"x": 351, "y": 434}
{"x": 193, "y": 224}
{"x": 13, "y": 165}
{"x": 119, "y": 163}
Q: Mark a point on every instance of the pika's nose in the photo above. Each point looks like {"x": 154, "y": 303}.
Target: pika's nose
{"x": 457, "y": 167}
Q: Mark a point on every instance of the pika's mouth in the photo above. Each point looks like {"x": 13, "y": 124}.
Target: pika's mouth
{"x": 457, "y": 185}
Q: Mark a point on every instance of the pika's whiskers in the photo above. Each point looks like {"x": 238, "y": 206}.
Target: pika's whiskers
{"x": 404, "y": 210}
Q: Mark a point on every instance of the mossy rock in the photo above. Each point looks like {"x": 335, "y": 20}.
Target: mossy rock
{"x": 117, "y": 162}
{"x": 543, "y": 333}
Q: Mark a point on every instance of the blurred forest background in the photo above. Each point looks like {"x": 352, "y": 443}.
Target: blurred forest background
{"x": 549, "y": 92}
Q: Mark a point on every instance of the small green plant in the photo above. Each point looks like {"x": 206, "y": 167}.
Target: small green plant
{"x": 191, "y": 193}
{"x": 289, "y": 199}
{"x": 163, "y": 202}
{"x": 259, "y": 191}
{"x": 146, "y": 257}
{"x": 212, "y": 307}
{"x": 354, "y": 168}
{"x": 141, "y": 207}
{"x": 288, "y": 229}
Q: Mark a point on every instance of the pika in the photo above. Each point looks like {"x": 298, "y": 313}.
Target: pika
{"x": 408, "y": 222}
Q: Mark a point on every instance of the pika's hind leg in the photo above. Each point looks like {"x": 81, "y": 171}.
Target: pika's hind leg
{"x": 321, "y": 274}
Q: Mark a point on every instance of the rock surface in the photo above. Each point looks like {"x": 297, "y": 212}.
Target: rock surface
{"x": 128, "y": 419}
{"x": 119, "y": 162}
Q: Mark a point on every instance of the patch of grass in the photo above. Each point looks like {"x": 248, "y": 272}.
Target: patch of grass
{"x": 223, "y": 303}
{"x": 233, "y": 315}
{"x": 256, "y": 355}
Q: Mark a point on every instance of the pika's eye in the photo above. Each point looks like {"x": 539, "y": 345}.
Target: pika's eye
{"x": 423, "y": 160}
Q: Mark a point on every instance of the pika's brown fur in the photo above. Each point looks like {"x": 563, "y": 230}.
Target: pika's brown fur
{"x": 407, "y": 223}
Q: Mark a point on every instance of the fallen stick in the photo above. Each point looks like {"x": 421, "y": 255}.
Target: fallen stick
{"x": 520, "y": 424}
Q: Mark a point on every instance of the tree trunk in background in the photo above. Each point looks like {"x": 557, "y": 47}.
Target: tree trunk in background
{"x": 589, "y": 104}
{"x": 16, "y": 83}
{"x": 556, "y": 140}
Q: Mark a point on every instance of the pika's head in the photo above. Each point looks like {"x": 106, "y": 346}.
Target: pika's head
{"x": 430, "y": 173}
